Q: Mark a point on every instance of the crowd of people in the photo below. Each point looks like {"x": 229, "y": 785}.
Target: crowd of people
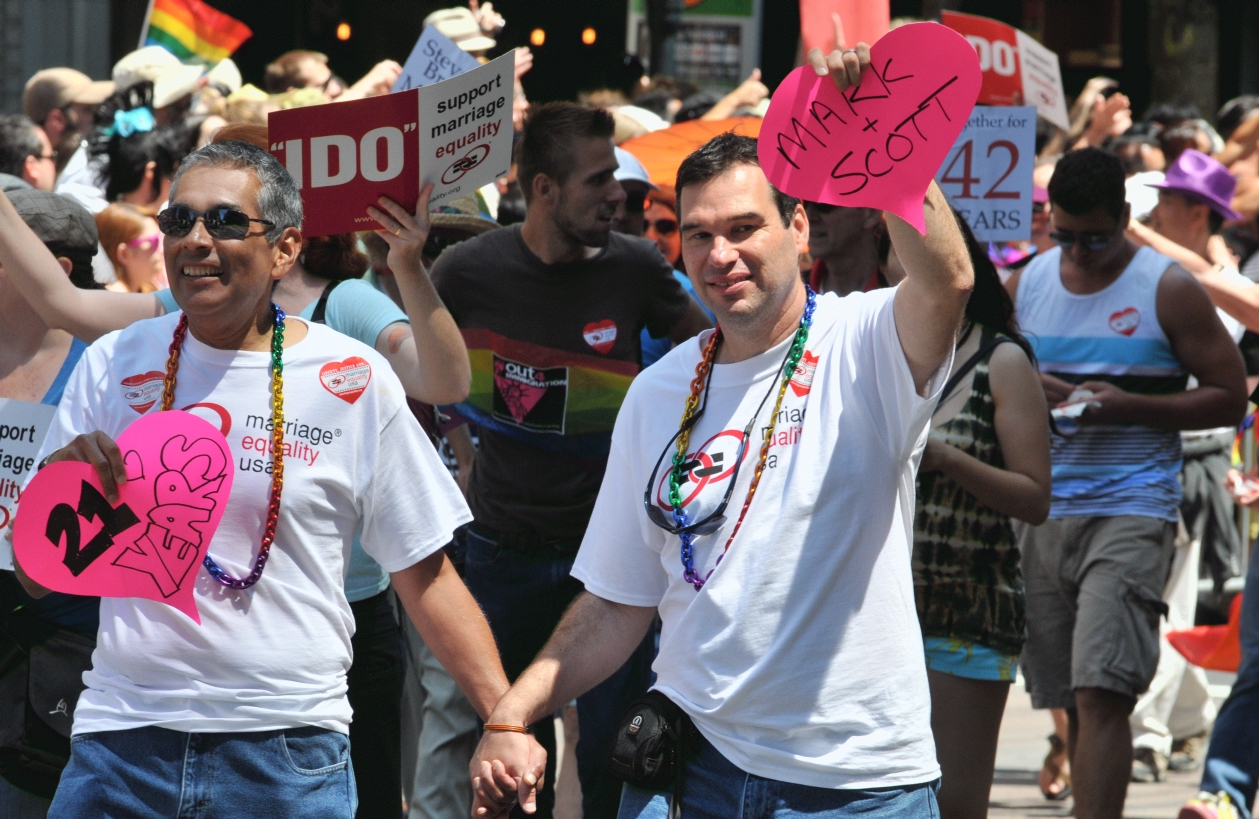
{"x": 782, "y": 495}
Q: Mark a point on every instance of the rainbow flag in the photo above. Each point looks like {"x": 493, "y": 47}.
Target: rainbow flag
{"x": 193, "y": 31}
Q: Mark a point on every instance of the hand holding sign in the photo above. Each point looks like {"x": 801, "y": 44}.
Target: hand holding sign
{"x": 143, "y": 538}
{"x": 879, "y": 143}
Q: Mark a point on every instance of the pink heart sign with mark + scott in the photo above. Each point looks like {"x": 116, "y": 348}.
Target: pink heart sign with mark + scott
{"x": 878, "y": 144}
{"x": 70, "y": 538}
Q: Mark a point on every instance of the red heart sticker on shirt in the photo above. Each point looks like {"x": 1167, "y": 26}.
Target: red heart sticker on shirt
{"x": 142, "y": 391}
{"x": 876, "y": 145}
{"x": 346, "y": 379}
{"x": 70, "y": 538}
{"x": 601, "y": 335}
{"x": 1125, "y": 321}
{"x": 802, "y": 378}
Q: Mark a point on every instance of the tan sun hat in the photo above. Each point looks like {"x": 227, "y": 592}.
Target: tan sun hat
{"x": 461, "y": 217}
{"x": 172, "y": 80}
{"x": 461, "y": 26}
{"x": 55, "y": 88}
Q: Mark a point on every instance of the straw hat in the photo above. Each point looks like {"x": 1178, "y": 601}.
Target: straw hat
{"x": 461, "y": 26}
{"x": 172, "y": 80}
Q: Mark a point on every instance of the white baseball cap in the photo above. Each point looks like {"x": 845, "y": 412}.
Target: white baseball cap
{"x": 630, "y": 169}
{"x": 172, "y": 80}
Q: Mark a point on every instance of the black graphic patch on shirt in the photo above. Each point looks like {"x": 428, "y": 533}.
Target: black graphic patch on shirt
{"x": 528, "y": 397}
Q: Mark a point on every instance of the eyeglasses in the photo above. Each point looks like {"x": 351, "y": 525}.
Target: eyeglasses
{"x": 51, "y": 156}
{"x": 665, "y": 227}
{"x": 1090, "y": 241}
{"x": 146, "y": 243}
{"x": 221, "y": 223}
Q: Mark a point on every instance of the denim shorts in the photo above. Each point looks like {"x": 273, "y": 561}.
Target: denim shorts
{"x": 715, "y": 788}
{"x": 156, "y": 773}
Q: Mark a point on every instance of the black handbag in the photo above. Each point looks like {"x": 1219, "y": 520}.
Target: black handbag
{"x": 652, "y": 745}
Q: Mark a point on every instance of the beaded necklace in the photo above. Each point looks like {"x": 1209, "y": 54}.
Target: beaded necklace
{"x": 277, "y": 442}
{"x": 702, "y": 372}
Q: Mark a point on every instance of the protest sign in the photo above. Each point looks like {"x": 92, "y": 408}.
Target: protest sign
{"x": 466, "y": 129}
{"x": 878, "y": 144}
{"x": 70, "y": 538}
{"x": 988, "y": 174}
{"x": 23, "y": 426}
{"x": 1017, "y": 69}
{"x": 435, "y": 57}
{"x": 346, "y": 155}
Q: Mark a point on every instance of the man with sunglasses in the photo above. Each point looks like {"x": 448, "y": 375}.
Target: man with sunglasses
{"x": 26, "y": 153}
{"x": 245, "y": 712}
{"x": 844, "y": 245}
{"x": 1117, "y": 329}
{"x": 759, "y": 499}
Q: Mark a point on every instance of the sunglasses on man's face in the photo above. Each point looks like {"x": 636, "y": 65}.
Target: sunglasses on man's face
{"x": 1088, "y": 241}
{"x": 221, "y": 223}
{"x": 665, "y": 227}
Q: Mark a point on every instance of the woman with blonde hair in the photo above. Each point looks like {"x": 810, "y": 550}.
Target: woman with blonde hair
{"x": 133, "y": 244}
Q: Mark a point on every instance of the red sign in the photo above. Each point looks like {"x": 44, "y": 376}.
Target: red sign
{"x": 346, "y": 155}
{"x": 998, "y": 48}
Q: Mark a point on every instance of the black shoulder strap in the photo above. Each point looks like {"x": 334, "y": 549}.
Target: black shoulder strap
{"x": 985, "y": 349}
{"x": 321, "y": 306}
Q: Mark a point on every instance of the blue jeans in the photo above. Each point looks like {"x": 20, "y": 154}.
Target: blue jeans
{"x": 156, "y": 773}
{"x": 713, "y": 787}
{"x": 1232, "y": 763}
{"x": 523, "y": 597}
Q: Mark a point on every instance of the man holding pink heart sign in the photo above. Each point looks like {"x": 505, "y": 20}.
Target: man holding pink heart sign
{"x": 245, "y": 712}
{"x": 770, "y": 529}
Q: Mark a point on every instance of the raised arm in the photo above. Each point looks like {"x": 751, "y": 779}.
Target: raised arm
{"x": 938, "y": 281}
{"x": 34, "y": 271}
{"x": 429, "y": 356}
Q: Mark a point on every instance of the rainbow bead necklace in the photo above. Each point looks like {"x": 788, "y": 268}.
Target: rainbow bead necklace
{"x": 277, "y": 442}
{"x": 703, "y": 371}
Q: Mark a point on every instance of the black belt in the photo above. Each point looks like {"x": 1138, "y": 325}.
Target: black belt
{"x": 528, "y": 542}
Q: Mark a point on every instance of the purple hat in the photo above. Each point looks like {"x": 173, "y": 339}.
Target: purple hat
{"x": 1198, "y": 176}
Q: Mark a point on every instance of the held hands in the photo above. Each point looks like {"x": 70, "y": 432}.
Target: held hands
{"x": 404, "y": 233}
{"x": 506, "y": 768}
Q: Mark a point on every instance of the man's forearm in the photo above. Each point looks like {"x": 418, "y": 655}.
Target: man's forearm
{"x": 592, "y": 641}
{"x": 1204, "y": 407}
{"x": 454, "y": 629}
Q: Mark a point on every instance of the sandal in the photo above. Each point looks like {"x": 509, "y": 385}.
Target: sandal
{"x": 1051, "y": 772}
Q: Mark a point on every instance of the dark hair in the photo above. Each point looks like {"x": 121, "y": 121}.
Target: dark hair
{"x": 279, "y": 201}
{"x": 1133, "y": 162}
{"x": 546, "y": 141}
{"x": 990, "y": 305}
{"x": 695, "y": 106}
{"x": 1234, "y": 113}
{"x": 1169, "y": 114}
{"x": 1176, "y": 140}
{"x": 335, "y": 257}
{"x": 720, "y": 154}
{"x": 1086, "y": 179}
{"x": 511, "y": 205}
{"x": 1215, "y": 221}
{"x": 17, "y": 142}
{"x": 165, "y": 146}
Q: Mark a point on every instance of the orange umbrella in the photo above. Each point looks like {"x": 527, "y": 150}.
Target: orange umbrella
{"x": 1214, "y": 647}
{"x": 661, "y": 152}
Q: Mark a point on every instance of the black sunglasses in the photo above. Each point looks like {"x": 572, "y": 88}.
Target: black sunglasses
{"x": 221, "y": 223}
{"x": 1090, "y": 241}
{"x": 664, "y": 517}
{"x": 665, "y": 227}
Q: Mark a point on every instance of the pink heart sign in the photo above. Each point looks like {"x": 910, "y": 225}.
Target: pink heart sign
{"x": 879, "y": 144}
{"x": 70, "y": 538}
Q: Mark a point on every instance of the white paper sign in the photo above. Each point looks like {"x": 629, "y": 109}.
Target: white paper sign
{"x": 435, "y": 58}
{"x": 1042, "y": 80}
{"x": 466, "y": 129}
{"x": 23, "y": 426}
{"x": 987, "y": 175}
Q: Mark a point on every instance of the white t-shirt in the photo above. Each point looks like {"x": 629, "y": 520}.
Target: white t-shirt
{"x": 801, "y": 659}
{"x": 276, "y": 655}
